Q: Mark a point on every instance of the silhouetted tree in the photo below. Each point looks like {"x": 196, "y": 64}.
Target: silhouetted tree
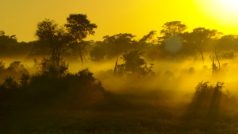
{"x": 119, "y": 43}
{"x": 113, "y": 46}
{"x": 227, "y": 45}
{"x": 172, "y": 28}
{"x": 50, "y": 68}
{"x": 171, "y": 36}
{"x": 147, "y": 40}
{"x": 198, "y": 39}
{"x": 79, "y": 27}
{"x": 49, "y": 32}
{"x": 216, "y": 65}
{"x": 134, "y": 63}
{"x": 99, "y": 51}
{"x": 9, "y": 46}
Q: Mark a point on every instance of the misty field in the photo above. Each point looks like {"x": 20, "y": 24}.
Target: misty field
{"x": 177, "y": 81}
{"x": 170, "y": 101}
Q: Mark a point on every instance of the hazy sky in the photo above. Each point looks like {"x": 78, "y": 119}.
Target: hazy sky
{"x": 20, "y": 17}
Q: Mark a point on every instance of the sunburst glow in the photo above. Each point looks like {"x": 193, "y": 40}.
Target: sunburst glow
{"x": 228, "y": 6}
{"x": 224, "y": 11}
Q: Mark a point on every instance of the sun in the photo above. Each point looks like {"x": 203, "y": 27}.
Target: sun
{"x": 229, "y": 7}
{"x": 223, "y": 11}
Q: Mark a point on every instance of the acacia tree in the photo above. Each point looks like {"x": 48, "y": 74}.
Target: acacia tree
{"x": 171, "y": 36}
{"x": 172, "y": 28}
{"x": 198, "y": 38}
{"x": 113, "y": 46}
{"x": 227, "y": 42}
{"x": 119, "y": 43}
{"x": 147, "y": 40}
{"x": 48, "y": 32}
{"x": 79, "y": 27}
{"x": 134, "y": 63}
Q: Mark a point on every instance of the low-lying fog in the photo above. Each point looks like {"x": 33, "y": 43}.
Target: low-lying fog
{"x": 178, "y": 78}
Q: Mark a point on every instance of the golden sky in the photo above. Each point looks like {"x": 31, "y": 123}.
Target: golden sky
{"x": 20, "y": 17}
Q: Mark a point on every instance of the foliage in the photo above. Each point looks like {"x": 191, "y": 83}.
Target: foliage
{"x": 43, "y": 89}
{"x": 52, "y": 68}
{"x": 199, "y": 39}
{"x": 173, "y": 41}
{"x": 79, "y": 26}
{"x": 207, "y": 101}
{"x": 9, "y": 84}
{"x": 113, "y": 46}
{"x": 57, "y": 39}
{"x": 133, "y": 64}
{"x": 9, "y": 46}
{"x": 172, "y": 28}
{"x": 14, "y": 71}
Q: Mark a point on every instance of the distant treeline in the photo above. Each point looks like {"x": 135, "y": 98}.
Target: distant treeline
{"x": 174, "y": 40}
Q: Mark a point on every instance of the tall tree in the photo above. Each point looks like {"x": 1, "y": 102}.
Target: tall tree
{"x": 119, "y": 43}
{"x": 171, "y": 36}
{"x": 198, "y": 39}
{"x": 172, "y": 28}
{"x": 134, "y": 63}
{"x": 79, "y": 27}
{"x": 228, "y": 42}
{"x": 48, "y": 32}
{"x": 113, "y": 46}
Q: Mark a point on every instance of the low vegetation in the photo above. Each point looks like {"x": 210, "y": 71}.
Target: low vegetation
{"x": 139, "y": 93}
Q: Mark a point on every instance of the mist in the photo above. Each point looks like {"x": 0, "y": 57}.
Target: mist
{"x": 171, "y": 81}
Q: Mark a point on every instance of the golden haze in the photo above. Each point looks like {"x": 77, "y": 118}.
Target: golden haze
{"x": 112, "y": 16}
